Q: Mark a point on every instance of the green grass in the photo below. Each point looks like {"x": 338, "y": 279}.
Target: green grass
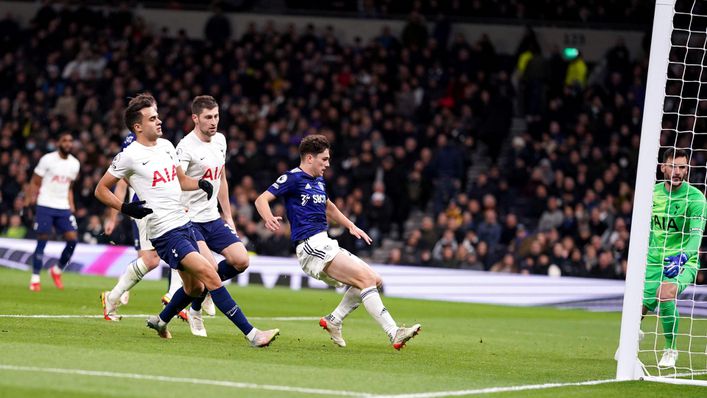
{"x": 461, "y": 347}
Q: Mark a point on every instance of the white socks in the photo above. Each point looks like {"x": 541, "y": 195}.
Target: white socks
{"x": 350, "y": 301}
{"x": 133, "y": 274}
{"x": 374, "y": 305}
{"x": 175, "y": 282}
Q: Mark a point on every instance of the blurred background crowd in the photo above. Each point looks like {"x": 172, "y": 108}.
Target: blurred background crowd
{"x": 447, "y": 152}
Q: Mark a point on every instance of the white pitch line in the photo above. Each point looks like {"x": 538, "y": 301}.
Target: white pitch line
{"x": 170, "y": 379}
{"x": 59, "y": 316}
{"x": 490, "y": 390}
{"x": 305, "y": 390}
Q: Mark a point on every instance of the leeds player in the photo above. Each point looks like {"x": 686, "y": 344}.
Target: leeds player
{"x": 137, "y": 269}
{"x": 51, "y": 189}
{"x": 151, "y": 167}
{"x": 202, "y": 154}
{"x": 321, "y": 257}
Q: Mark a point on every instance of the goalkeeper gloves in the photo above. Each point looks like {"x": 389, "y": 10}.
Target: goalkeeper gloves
{"x": 673, "y": 264}
{"x": 135, "y": 209}
{"x": 206, "y": 187}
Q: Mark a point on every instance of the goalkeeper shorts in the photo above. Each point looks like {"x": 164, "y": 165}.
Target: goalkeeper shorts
{"x": 654, "y": 277}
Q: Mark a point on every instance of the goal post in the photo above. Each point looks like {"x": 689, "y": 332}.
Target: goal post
{"x": 675, "y": 31}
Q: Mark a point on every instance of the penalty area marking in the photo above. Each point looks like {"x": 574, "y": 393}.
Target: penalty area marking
{"x": 304, "y": 390}
{"x": 59, "y": 316}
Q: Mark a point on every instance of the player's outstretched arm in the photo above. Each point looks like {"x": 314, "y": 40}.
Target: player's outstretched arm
{"x": 333, "y": 213}
{"x": 192, "y": 184}
{"x": 262, "y": 205}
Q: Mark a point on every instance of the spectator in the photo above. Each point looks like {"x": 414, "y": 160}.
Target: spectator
{"x": 15, "y": 229}
{"x": 552, "y": 217}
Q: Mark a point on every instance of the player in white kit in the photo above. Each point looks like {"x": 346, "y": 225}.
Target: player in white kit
{"x": 51, "y": 189}
{"x": 151, "y": 167}
{"x": 137, "y": 269}
{"x": 202, "y": 154}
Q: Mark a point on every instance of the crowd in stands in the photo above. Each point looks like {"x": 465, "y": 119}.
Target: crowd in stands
{"x": 404, "y": 114}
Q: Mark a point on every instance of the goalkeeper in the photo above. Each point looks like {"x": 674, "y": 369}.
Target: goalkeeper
{"x": 677, "y": 224}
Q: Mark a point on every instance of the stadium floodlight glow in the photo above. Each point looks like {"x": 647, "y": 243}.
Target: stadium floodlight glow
{"x": 671, "y": 106}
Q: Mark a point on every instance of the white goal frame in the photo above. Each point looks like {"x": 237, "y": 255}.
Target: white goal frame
{"x": 629, "y": 367}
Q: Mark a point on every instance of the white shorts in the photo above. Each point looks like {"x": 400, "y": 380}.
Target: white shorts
{"x": 315, "y": 253}
{"x": 145, "y": 243}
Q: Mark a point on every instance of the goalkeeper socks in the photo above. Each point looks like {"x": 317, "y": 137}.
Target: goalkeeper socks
{"x": 225, "y": 303}
{"x": 670, "y": 318}
{"x": 226, "y": 271}
{"x": 374, "y": 305}
{"x": 175, "y": 282}
{"x": 67, "y": 253}
{"x": 180, "y": 300}
{"x": 133, "y": 274}
{"x": 38, "y": 258}
{"x": 350, "y": 301}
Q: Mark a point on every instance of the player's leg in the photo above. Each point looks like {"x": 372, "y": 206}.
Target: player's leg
{"x": 174, "y": 283}
{"x": 65, "y": 224}
{"x": 191, "y": 288}
{"x": 196, "y": 321}
{"x": 224, "y": 240}
{"x": 43, "y": 229}
{"x": 136, "y": 270}
{"x": 220, "y": 238}
{"x": 668, "y": 312}
{"x": 333, "y": 323}
{"x": 353, "y": 271}
{"x": 38, "y": 262}
{"x": 182, "y": 242}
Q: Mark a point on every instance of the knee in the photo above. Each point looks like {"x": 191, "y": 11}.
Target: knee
{"x": 667, "y": 292}
{"x": 239, "y": 261}
{"x": 194, "y": 289}
{"x": 152, "y": 260}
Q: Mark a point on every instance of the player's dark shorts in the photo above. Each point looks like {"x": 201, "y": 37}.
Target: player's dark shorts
{"x": 61, "y": 219}
{"x": 174, "y": 245}
{"x": 217, "y": 234}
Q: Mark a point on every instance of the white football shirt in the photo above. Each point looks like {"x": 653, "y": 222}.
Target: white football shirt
{"x": 205, "y": 160}
{"x": 152, "y": 172}
{"x": 57, "y": 175}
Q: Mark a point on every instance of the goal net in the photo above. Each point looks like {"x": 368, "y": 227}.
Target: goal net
{"x": 669, "y": 219}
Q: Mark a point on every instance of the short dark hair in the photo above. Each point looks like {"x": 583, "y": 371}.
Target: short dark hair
{"x": 132, "y": 113}
{"x": 314, "y": 144}
{"x": 202, "y": 102}
{"x": 673, "y": 153}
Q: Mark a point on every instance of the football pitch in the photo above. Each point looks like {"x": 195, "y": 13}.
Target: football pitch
{"x": 55, "y": 344}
